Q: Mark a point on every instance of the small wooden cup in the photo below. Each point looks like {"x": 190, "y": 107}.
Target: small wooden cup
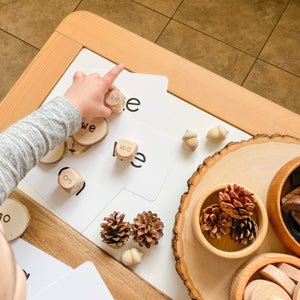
{"x": 226, "y": 247}
{"x": 249, "y": 269}
{"x": 278, "y": 188}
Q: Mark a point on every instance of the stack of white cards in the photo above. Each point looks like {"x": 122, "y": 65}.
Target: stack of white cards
{"x": 105, "y": 176}
{"x": 48, "y": 278}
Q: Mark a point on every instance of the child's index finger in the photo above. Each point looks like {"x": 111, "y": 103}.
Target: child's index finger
{"x": 111, "y": 75}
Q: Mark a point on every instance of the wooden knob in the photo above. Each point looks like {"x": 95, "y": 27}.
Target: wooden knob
{"x": 126, "y": 150}
{"x": 115, "y": 100}
{"x": 14, "y": 217}
{"x": 91, "y": 132}
{"x": 70, "y": 181}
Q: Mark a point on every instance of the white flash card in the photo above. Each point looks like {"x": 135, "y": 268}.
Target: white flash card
{"x": 146, "y": 95}
{"x": 41, "y": 268}
{"x": 102, "y": 185}
{"x": 82, "y": 283}
{"x": 156, "y": 153}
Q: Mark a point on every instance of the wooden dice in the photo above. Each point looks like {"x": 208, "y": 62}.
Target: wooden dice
{"x": 14, "y": 217}
{"x": 115, "y": 100}
{"x": 126, "y": 150}
{"x": 71, "y": 181}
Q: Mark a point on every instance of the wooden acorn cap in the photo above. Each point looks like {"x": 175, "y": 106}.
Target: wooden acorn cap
{"x": 226, "y": 247}
{"x": 245, "y": 272}
{"x": 14, "y": 218}
{"x": 55, "y": 154}
{"x": 278, "y": 188}
{"x": 91, "y": 132}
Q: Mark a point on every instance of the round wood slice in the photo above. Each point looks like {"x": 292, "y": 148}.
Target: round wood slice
{"x": 74, "y": 148}
{"x": 14, "y": 217}
{"x": 54, "y": 155}
{"x": 91, "y": 132}
{"x": 264, "y": 289}
{"x": 296, "y": 294}
{"x": 252, "y": 163}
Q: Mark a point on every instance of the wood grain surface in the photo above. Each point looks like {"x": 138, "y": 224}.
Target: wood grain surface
{"x": 203, "y": 89}
{"x": 251, "y": 163}
{"x": 53, "y": 236}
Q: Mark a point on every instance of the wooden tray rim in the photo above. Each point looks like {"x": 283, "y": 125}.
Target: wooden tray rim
{"x": 196, "y": 178}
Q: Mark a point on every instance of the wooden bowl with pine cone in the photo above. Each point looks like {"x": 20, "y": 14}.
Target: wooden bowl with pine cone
{"x": 230, "y": 221}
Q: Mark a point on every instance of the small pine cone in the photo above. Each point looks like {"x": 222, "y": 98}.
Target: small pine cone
{"x": 237, "y": 201}
{"x": 147, "y": 229}
{"x": 215, "y": 222}
{"x": 243, "y": 231}
{"x": 115, "y": 232}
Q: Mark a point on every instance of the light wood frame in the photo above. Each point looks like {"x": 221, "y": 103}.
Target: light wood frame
{"x": 203, "y": 89}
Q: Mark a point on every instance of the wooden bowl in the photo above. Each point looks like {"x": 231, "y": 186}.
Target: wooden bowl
{"x": 278, "y": 188}
{"x": 226, "y": 247}
{"x": 246, "y": 271}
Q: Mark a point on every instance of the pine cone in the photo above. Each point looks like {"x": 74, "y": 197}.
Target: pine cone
{"x": 215, "y": 222}
{"x": 115, "y": 232}
{"x": 147, "y": 229}
{"x": 244, "y": 231}
{"x": 237, "y": 202}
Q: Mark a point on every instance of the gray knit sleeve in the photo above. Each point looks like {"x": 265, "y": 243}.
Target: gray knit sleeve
{"x": 24, "y": 143}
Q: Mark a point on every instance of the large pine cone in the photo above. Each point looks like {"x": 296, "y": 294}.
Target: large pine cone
{"x": 147, "y": 229}
{"x": 244, "y": 231}
{"x": 215, "y": 222}
{"x": 115, "y": 232}
{"x": 237, "y": 202}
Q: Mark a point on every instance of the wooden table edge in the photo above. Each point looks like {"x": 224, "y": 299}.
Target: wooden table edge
{"x": 229, "y": 102}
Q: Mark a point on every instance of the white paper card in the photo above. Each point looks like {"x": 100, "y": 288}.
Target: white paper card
{"x": 78, "y": 211}
{"x": 81, "y": 283}
{"x": 156, "y": 155}
{"x": 147, "y": 90}
{"x": 43, "y": 268}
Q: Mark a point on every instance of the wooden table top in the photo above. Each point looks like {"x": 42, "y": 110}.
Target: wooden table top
{"x": 198, "y": 86}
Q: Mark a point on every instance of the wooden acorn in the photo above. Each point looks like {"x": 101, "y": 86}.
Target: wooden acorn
{"x": 132, "y": 257}
{"x": 218, "y": 133}
{"x": 70, "y": 181}
{"x": 190, "y": 140}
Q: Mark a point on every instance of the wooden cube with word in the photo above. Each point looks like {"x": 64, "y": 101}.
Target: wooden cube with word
{"x": 126, "y": 150}
{"x": 70, "y": 181}
{"x": 115, "y": 100}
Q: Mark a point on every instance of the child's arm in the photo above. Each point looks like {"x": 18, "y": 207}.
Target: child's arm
{"x": 23, "y": 144}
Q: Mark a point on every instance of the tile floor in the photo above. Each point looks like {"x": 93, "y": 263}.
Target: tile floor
{"x": 253, "y": 43}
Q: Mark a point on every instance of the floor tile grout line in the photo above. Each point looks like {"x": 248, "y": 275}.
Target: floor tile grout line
{"x": 149, "y": 8}
{"x": 77, "y": 5}
{"x": 248, "y": 73}
{"x": 278, "y": 67}
{"x": 171, "y": 18}
{"x": 273, "y": 29}
{"x": 255, "y": 60}
{"x": 16, "y": 37}
{"x": 225, "y": 43}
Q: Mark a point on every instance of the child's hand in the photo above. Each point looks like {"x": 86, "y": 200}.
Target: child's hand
{"x": 87, "y": 92}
